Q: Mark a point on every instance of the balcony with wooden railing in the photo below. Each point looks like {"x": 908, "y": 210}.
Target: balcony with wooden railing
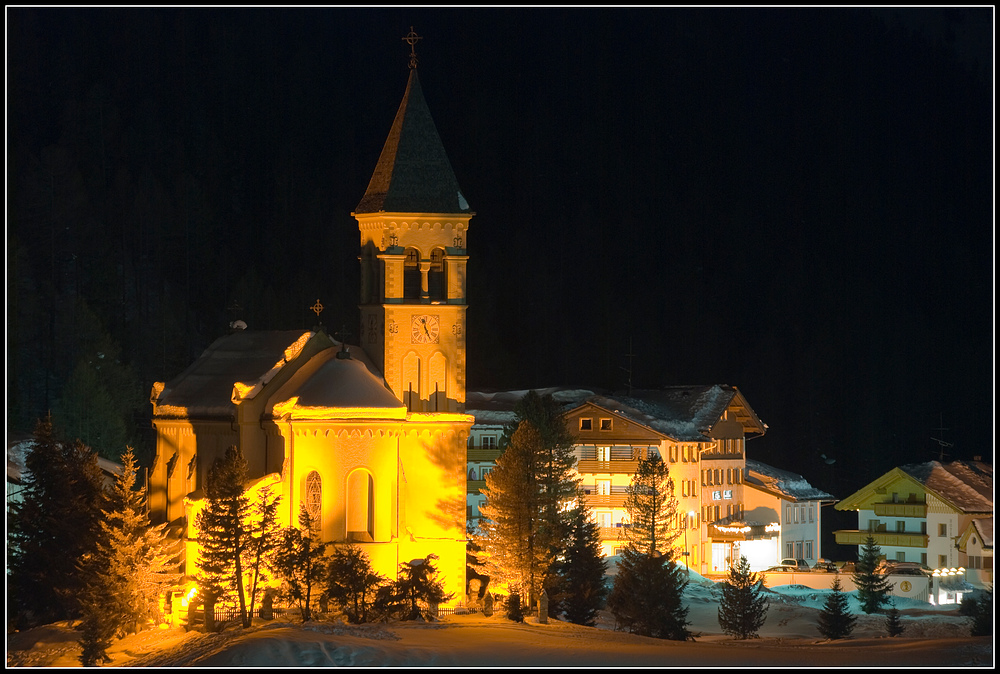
{"x": 883, "y": 538}
{"x": 905, "y": 509}
{"x": 475, "y": 486}
{"x": 482, "y": 453}
{"x": 614, "y": 466}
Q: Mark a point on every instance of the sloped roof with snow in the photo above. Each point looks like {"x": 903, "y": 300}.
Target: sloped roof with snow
{"x": 682, "y": 413}
{"x": 967, "y": 485}
{"x": 785, "y": 483}
{"x": 984, "y": 527}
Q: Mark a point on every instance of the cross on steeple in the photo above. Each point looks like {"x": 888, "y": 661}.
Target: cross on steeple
{"x": 411, "y": 39}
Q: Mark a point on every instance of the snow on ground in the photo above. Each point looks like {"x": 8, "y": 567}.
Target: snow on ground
{"x": 933, "y": 638}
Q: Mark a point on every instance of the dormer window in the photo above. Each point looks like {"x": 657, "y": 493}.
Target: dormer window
{"x": 586, "y": 424}
{"x": 605, "y": 424}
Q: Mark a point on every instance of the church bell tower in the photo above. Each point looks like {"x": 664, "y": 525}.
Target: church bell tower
{"x": 414, "y": 221}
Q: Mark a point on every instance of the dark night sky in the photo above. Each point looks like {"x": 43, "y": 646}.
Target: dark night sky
{"x": 795, "y": 202}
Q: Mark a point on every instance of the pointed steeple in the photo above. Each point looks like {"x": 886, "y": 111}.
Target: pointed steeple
{"x": 413, "y": 174}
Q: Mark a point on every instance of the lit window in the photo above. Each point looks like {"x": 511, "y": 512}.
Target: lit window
{"x": 728, "y": 493}
{"x": 604, "y": 487}
{"x": 716, "y": 495}
{"x": 605, "y": 424}
{"x": 603, "y": 453}
{"x": 586, "y": 424}
{"x": 314, "y": 498}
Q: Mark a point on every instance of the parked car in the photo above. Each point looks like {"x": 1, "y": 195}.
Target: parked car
{"x": 784, "y": 566}
{"x": 824, "y": 565}
{"x": 798, "y": 564}
{"x": 888, "y": 566}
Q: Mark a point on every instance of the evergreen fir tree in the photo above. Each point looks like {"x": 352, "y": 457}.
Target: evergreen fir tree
{"x": 873, "y": 587}
{"x": 509, "y": 527}
{"x": 744, "y": 605}
{"x": 652, "y": 507}
{"x": 126, "y": 576}
{"x": 982, "y": 622}
{"x": 647, "y": 596}
{"x": 51, "y": 529}
{"x": 581, "y": 570}
{"x": 893, "y": 623}
{"x": 835, "y": 620}
{"x": 354, "y": 586}
{"x": 299, "y": 560}
{"x": 418, "y": 584}
{"x": 223, "y": 533}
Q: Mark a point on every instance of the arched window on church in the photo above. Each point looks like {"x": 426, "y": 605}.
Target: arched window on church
{"x": 411, "y": 274}
{"x": 314, "y": 499}
{"x": 360, "y": 507}
{"x": 437, "y": 286}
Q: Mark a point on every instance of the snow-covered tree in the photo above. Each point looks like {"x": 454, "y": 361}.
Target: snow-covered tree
{"x": 744, "y": 605}
{"x": 835, "y": 620}
{"x": 127, "y": 574}
{"x": 52, "y": 528}
{"x": 223, "y": 531}
{"x": 300, "y": 561}
{"x": 651, "y": 507}
{"x": 581, "y": 571}
{"x": 873, "y": 587}
{"x": 418, "y": 584}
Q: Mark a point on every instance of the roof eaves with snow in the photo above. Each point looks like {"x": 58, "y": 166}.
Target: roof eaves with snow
{"x": 786, "y": 484}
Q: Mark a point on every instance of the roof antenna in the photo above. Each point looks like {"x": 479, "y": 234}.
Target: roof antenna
{"x": 942, "y": 444}
{"x": 628, "y": 369}
{"x": 411, "y": 39}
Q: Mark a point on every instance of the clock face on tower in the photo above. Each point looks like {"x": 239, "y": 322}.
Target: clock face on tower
{"x": 424, "y": 329}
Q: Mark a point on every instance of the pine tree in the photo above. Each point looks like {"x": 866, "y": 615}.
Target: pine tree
{"x": 300, "y": 561}
{"x": 511, "y": 515}
{"x": 893, "y": 623}
{"x": 223, "y": 533}
{"x": 514, "y": 611}
{"x": 835, "y": 620}
{"x": 873, "y": 587}
{"x": 744, "y": 605}
{"x": 355, "y": 587}
{"x": 581, "y": 571}
{"x": 652, "y": 507}
{"x": 982, "y": 622}
{"x": 126, "y": 576}
{"x": 418, "y": 584}
{"x": 52, "y": 528}
{"x": 647, "y": 596}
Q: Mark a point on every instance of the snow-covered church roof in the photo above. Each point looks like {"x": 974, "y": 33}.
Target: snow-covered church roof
{"x": 785, "y": 483}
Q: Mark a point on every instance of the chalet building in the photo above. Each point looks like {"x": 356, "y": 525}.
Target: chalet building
{"x": 976, "y": 544}
{"x": 699, "y": 431}
{"x": 923, "y": 512}
{"x": 370, "y": 439}
{"x": 784, "y": 515}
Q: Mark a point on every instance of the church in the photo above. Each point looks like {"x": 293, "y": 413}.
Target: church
{"x": 371, "y": 439}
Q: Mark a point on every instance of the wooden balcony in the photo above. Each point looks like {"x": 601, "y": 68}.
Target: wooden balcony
{"x": 605, "y": 500}
{"x": 482, "y": 454}
{"x": 611, "y": 533}
{"x": 618, "y": 466}
{"x": 901, "y": 509}
{"x": 475, "y": 486}
{"x": 882, "y": 538}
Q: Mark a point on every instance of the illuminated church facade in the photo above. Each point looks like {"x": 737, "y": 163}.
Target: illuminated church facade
{"x": 370, "y": 439}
